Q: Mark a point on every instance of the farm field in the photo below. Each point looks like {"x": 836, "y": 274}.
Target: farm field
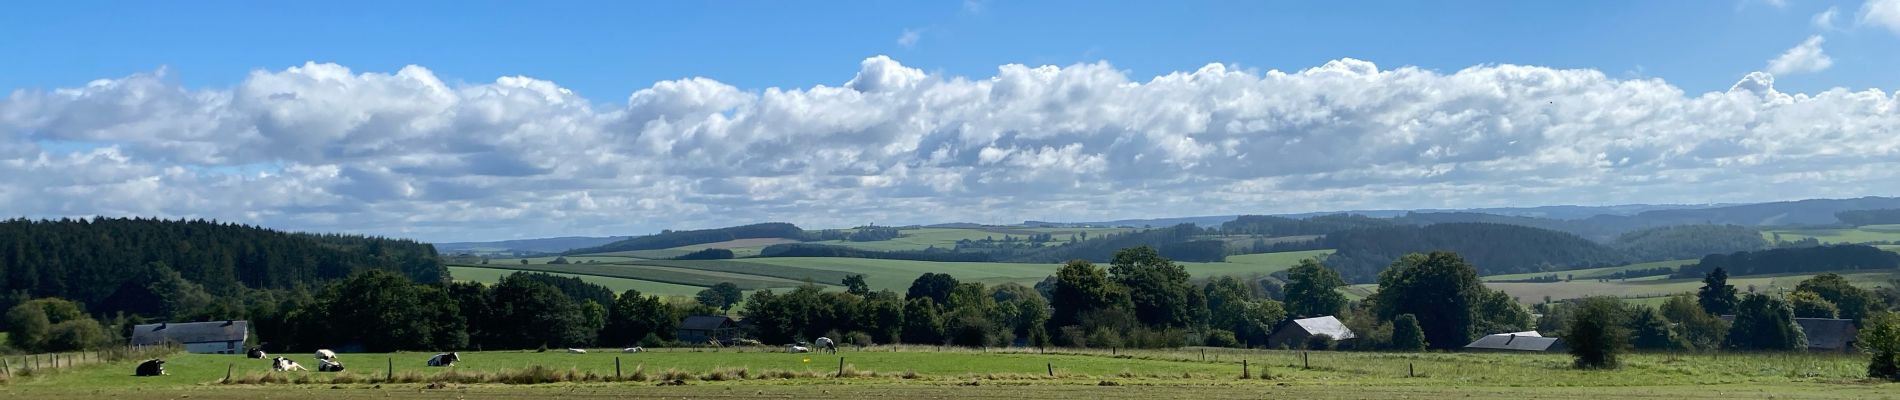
{"x": 493, "y": 275}
{"x": 1592, "y": 273}
{"x": 1862, "y": 234}
{"x": 1529, "y": 293}
{"x": 964, "y": 373}
{"x": 923, "y": 238}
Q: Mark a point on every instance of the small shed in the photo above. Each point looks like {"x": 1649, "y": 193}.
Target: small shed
{"x": 704, "y": 328}
{"x": 1829, "y": 334}
{"x": 214, "y": 337}
{"x": 1294, "y": 333}
{"x": 1517, "y": 341}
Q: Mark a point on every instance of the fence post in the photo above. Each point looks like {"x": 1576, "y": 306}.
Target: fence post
{"x": 227, "y": 372}
{"x": 1246, "y": 372}
{"x": 840, "y": 367}
{"x": 616, "y": 368}
{"x": 390, "y": 375}
{"x": 1203, "y": 355}
{"x": 6, "y": 367}
{"x": 1410, "y": 370}
{"x": 1052, "y": 369}
{"x": 1305, "y": 361}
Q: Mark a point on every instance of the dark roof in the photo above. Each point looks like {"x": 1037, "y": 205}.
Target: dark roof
{"x": 1828, "y": 333}
{"x": 1326, "y": 325}
{"x": 1516, "y": 343}
{"x": 190, "y": 332}
{"x": 706, "y": 322}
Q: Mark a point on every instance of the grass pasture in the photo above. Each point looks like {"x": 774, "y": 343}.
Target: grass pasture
{"x": 1592, "y": 273}
{"x": 910, "y": 372}
{"x": 677, "y": 276}
{"x": 1861, "y": 234}
{"x": 1529, "y": 293}
{"x": 493, "y": 275}
{"x": 923, "y": 238}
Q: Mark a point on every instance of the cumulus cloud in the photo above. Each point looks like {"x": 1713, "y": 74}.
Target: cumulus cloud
{"x": 1882, "y": 13}
{"x": 1825, "y": 19}
{"x": 910, "y": 37}
{"x": 323, "y": 147}
{"x": 1803, "y": 58}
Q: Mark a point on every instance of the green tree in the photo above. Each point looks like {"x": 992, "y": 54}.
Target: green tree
{"x": 1853, "y": 302}
{"x": 1806, "y": 304}
{"x": 1716, "y": 296}
{"x": 380, "y": 309}
{"x": 933, "y": 286}
{"x": 1597, "y": 333}
{"x": 1498, "y": 312}
{"x": 74, "y": 335}
{"x": 1440, "y": 289}
{"x": 1880, "y": 338}
{"x": 722, "y": 296}
{"x": 1157, "y": 287}
{"x": 1650, "y": 331}
{"x": 540, "y": 316}
{"x": 1699, "y": 329}
{"x": 1081, "y": 287}
{"x": 923, "y": 321}
{"x": 1227, "y": 302}
{"x": 1406, "y": 334}
{"x": 1763, "y": 322}
{"x": 1312, "y": 290}
{"x": 27, "y": 326}
{"x": 633, "y": 316}
{"x": 854, "y": 284}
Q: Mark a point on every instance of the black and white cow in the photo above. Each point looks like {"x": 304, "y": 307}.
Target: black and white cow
{"x": 330, "y": 365}
{"x": 281, "y": 364}
{"x": 326, "y": 354}
{"x": 257, "y": 353}
{"x": 444, "y": 360}
{"x": 825, "y": 343}
{"x": 152, "y": 367}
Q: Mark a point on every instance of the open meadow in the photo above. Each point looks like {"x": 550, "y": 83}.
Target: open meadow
{"x": 921, "y": 371}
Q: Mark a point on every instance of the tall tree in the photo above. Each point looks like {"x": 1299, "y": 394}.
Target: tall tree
{"x": 1806, "y": 304}
{"x": 1157, "y": 287}
{"x": 722, "y": 296}
{"x": 923, "y": 321}
{"x": 1880, "y": 338}
{"x": 1717, "y": 296}
{"x": 1440, "y": 288}
{"x": 1406, "y": 334}
{"x": 1853, "y": 303}
{"x": 933, "y": 286}
{"x": 1701, "y": 330}
{"x": 1763, "y": 322}
{"x": 1650, "y": 331}
{"x": 1081, "y": 287}
{"x": 1597, "y": 332}
{"x": 1312, "y": 290}
{"x": 854, "y": 284}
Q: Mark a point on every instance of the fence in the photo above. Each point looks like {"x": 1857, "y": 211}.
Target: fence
{"x": 20, "y": 366}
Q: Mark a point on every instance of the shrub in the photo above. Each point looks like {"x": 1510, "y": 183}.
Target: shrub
{"x": 1406, "y": 334}
{"x": 1318, "y": 342}
{"x": 652, "y": 340}
{"x": 1073, "y": 336}
{"x": 1763, "y": 322}
{"x": 1104, "y": 338}
{"x": 859, "y": 338}
{"x": 1810, "y": 305}
{"x": 1881, "y": 339}
{"x": 1222, "y": 338}
{"x": 1597, "y": 333}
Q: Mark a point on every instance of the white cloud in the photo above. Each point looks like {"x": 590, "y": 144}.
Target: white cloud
{"x": 909, "y": 38}
{"x": 1825, "y": 19}
{"x": 322, "y": 147}
{"x": 1882, "y": 13}
{"x": 1803, "y": 58}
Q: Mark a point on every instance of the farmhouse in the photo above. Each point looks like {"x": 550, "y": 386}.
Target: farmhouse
{"x": 1825, "y": 334}
{"x": 704, "y": 328}
{"x": 1294, "y": 333}
{"x": 1517, "y": 341}
{"x": 214, "y": 337}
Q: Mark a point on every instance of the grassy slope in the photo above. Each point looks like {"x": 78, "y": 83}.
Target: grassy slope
{"x": 922, "y": 238}
{"x": 1591, "y": 273}
{"x": 1145, "y": 374}
{"x": 1651, "y": 288}
{"x": 1869, "y": 233}
{"x": 491, "y": 275}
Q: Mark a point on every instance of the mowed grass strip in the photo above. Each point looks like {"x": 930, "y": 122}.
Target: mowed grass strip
{"x": 678, "y": 276}
{"x": 747, "y": 267}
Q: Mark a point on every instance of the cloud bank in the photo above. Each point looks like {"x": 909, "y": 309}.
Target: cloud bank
{"x": 322, "y": 147}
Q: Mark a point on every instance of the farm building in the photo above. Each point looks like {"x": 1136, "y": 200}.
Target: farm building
{"x": 703, "y": 328}
{"x": 1517, "y": 341}
{"x": 1294, "y": 333}
{"x": 214, "y": 337}
{"x": 1825, "y": 334}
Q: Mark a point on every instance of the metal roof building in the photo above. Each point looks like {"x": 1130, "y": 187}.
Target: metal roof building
{"x": 1295, "y": 332}
{"x": 1518, "y": 341}
{"x": 214, "y": 337}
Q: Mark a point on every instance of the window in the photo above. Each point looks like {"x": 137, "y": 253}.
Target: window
{"x": 230, "y": 345}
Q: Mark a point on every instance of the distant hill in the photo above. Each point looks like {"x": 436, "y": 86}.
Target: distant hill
{"x": 1138, "y": 223}
{"x": 543, "y": 245}
{"x": 1494, "y": 248}
{"x": 670, "y": 239}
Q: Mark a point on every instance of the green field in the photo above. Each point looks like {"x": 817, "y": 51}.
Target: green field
{"x": 1593, "y": 273}
{"x": 1862, "y": 234}
{"x": 1529, "y": 293}
{"x": 908, "y": 372}
{"x": 923, "y": 238}
{"x": 492, "y": 275}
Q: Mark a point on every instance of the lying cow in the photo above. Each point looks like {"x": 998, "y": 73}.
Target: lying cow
{"x": 281, "y": 364}
{"x": 326, "y": 354}
{"x": 634, "y": 349}
{"x": 256, "y": 353}
{"x": 329, "y": 366}
{"x": 444, "y": 360}
{"x": 152, "y": 367}
{"x": 576, "y": 351}
{"x": 799, "y": 349}
{"x": 825, "y": 343}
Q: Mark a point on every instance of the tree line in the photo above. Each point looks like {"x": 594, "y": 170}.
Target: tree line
{"x": 1843, "y": 257}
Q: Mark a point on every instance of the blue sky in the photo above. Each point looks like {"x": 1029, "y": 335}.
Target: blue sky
{"x": 604, "y": 50}
{"x": 492, "y": 120}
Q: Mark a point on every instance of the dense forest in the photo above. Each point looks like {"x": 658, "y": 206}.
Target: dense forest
{"x": 1802, "y": 259}
{"x": 109, "y": 264}
{"x": 1178, "y": 242}
{"x": 670, "y": 239}
{"x": 1869, "y": 217}
{"x": 1689, "y": 241}
{"x": 1493, "y": 248}
{"x": 1283, "y": 226}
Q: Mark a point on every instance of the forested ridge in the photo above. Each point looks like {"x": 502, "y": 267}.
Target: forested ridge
{"x": 670, "y": 239}
{"x": 1494, "y": 248}
{"x": 1846, "y": 257}
{"x": 89, "y": 260}
{"x": 1689, "y": 241}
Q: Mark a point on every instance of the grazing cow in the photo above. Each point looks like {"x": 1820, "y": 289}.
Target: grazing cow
{"x": 330, "y": 365}
{"x": 255, "y": 353}
{"x": 825, "y": 343}
{"x": 634, "y": 349}
{"x": 444, "y": 360}
{"x": 281, "y": 364}
{"x": 152, "y": 367}
{"x": 576, "y": 351}
{"x": 326, "y": 354}
{"x": 799, "y": 349}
